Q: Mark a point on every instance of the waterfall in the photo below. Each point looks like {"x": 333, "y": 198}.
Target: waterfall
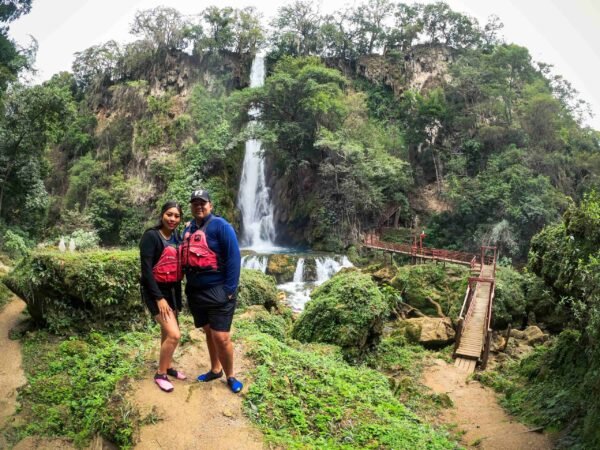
{"x": 299, "y": 273}
{"x": 327, "y": 267}
{"x": 255, "y": 262}
{"x": 254, "y": 198}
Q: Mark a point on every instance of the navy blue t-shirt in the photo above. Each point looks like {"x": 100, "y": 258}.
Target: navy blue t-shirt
{"x": 222, "y": 240}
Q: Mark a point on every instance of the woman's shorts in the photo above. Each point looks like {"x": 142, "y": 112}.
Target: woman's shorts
{"x": 152, "y": 305}
{"x": 211, "y": 306}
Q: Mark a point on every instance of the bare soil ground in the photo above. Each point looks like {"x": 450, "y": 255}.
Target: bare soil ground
{"x": 195, "y": 415}
{"x": 11, "y": 371}
{"x": 476, "y": 413}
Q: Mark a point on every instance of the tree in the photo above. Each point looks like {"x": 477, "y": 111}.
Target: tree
{"x": 165, "y": 28}
{"x": 299, "y": 98}
{"x": 33, "y": 118}
{"x": 371, "y": 18}
{"x": 408, "y": 24}
{"x": 98, "y": 61}
{"x": 443, "y": 26}
{"x": 12, "y": 59}
{"x": 219, "y": 33}
{"x": 338, "y": 33}
{"x": 247, "y": 32}
{"x": 296, "y": 29}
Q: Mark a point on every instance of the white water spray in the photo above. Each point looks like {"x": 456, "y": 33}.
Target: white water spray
{"x": 255, "y": 262}
{"x": 254, "y": 199}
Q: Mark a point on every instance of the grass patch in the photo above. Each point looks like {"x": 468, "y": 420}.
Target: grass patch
{"x": 306, "y": 397}
{"x": 76, "y": 386}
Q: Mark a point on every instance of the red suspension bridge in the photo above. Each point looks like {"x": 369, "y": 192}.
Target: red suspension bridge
{"x": 473, "y": 325}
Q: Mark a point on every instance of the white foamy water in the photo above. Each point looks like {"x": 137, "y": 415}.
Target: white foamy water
{"x": 328, "y": 267}
{"x": 298, "y": 291}
{"x": 256, "y": 262}
{"x": 254, "y": 198}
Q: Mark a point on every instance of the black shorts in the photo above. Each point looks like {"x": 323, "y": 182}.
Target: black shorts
{"x": 151, "y": 304}
{"x": 211, "y": 306}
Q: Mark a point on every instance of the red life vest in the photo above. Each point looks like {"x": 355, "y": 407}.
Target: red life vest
{"x": 195, "y": 253}
{"x": 168, "y": 269}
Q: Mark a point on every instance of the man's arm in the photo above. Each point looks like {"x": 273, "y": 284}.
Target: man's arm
{"x": 231, "y": 259}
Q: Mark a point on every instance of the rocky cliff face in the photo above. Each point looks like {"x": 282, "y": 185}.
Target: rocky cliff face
{"x": 422, "y": 68}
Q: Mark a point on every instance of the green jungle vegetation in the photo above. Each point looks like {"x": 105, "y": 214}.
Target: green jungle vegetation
{"x": 492, "y": 148}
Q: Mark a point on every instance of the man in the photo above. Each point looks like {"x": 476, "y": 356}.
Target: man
{"x": 211, "y": 261}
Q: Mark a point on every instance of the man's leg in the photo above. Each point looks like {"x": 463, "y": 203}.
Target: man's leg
{"x": 215, "y": 363}
{"x": 224, "y": 347}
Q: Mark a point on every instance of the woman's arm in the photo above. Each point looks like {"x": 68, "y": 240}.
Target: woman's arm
{"x": 150, "y": 250}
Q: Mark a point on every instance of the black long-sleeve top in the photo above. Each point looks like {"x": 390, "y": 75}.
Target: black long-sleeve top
{"x": 151, "y": 247}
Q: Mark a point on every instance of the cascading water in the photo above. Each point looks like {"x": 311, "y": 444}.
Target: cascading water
{"x": 327, "y": 267}
{"x": 256, "y": 262}
{"x": 254, "y": 199}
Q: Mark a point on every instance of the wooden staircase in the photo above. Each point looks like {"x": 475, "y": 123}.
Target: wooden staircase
{"x": 473, "y": 337}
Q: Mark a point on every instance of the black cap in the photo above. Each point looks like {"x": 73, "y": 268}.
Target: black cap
{"x": 200, "y": 194}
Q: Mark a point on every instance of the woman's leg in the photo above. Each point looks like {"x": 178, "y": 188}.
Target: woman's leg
{"x": 170, "y": 335}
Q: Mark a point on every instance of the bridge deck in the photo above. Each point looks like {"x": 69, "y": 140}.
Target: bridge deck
{"x": 474, "y": 332}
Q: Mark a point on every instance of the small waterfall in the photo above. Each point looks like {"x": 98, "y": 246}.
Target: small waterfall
{"x": 255, "y": 262}
{"x": 328, "y": 267}
{"x": 298, "y": 291}
{"x": 299, "y": 272}
{"x": 254, "y": 198}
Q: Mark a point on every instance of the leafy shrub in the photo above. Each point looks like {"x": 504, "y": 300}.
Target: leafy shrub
{"x": 83, "y": 291}
{"x": 15, "y": 244}
{"x": 422, "y": 285}
{"x": 256, "y": 288}
{"x": 509, "y": 298}
{"x": 348, "y": 310}
{"x": 305, "y": 397}
{"x": 85, "y": 240}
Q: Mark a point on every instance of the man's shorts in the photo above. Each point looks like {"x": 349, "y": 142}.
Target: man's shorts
{"x": 211, "y": 306}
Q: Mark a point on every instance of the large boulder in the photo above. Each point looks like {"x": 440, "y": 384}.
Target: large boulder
{"x": 348, "y": 310}
{"x": 534, "y": 335}
{"x": 282, "y": 267}
{"x": 431, "y": 332}
{"x": 81, "y": 291}
{"x": 256, "y": 288}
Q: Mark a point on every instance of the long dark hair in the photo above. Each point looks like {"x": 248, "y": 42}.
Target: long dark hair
{"x": 164, "y": 209}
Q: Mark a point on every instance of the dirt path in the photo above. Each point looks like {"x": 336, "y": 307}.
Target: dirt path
{"x": 195, "y": 415}
{"x": 476, "y": 412}
{"x": 11, "y": 371}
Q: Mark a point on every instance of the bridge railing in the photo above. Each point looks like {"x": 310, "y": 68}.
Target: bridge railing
{"x": 417, "y": 250}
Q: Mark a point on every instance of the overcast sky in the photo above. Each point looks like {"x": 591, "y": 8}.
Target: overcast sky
{"x": 564, "y": 33}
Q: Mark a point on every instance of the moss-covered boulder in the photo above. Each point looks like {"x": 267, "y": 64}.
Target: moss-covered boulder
{"x": 348, "y": 310}
{"x": 81, "y": 291}
{"x": 432, "y": 287}
{"x": 256, "y": 288}
{"x": 282, "y": 267}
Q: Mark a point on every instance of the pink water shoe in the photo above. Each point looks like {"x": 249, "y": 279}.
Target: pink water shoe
{"x": 163, "y": 382}
{"x": 177, "y": 374}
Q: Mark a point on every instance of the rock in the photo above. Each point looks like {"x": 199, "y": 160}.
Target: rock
{"x": 517, "y": 334}
{"x": 282, "y": 267}
{"x": 498, "y": 343}
{"x": 228, "y": 413}
{"x": 534, "y": 335}
{"x": 386, "y": 274}
{"x": 433, "y": 331}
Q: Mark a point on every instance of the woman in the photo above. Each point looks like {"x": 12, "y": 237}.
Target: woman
{"x": 161, "y": 287}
